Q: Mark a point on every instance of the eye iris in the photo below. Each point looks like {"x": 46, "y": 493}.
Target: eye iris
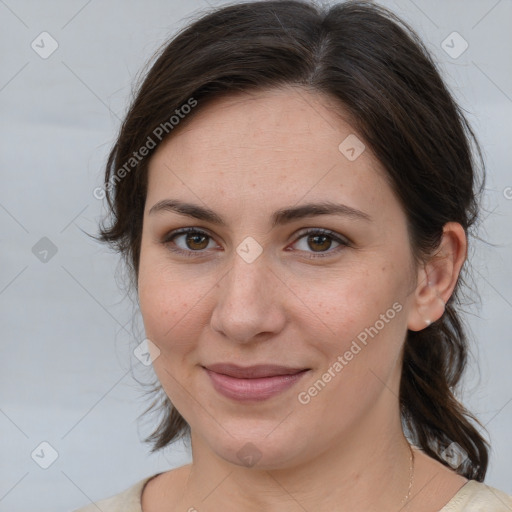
{"x": 195, "y": 237}
{"x": 314, "y": 239}
{"x": 199, "y": 241}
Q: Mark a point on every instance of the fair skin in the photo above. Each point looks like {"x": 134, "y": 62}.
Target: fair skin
{"x": 245, "y": 157}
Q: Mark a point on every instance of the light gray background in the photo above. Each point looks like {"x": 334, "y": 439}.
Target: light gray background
{"x": 67, "y": 345}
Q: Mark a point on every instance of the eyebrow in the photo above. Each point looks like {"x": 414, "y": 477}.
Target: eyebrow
{"x": 279, "y": 217}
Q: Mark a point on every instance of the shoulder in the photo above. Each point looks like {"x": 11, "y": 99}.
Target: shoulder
{"x": 475, "y": 496}
{"x": 128, "y": 500}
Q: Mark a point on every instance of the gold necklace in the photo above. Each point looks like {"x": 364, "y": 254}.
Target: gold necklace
{"x": 411, "y": 471}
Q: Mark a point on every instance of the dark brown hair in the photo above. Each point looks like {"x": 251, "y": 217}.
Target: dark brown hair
{"x": 380, "y": 72}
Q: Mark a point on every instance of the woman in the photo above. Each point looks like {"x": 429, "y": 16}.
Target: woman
{"x": 292, "y": 189}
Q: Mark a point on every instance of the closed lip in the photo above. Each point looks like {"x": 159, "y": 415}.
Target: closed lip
{"x": 253, "y": 372}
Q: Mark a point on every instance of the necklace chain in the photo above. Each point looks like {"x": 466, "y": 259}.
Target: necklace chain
{"x": 411, "y": 471}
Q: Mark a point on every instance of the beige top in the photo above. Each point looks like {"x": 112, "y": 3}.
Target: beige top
{"x": 472, "y": 497}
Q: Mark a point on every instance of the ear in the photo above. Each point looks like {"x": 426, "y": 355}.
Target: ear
{"x": 437, "y": 278}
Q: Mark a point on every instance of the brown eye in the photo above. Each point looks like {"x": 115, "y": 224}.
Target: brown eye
{"x": 187, "y": 241}
{"x": 196, "y": 241}
{"x": 320, "y": 241}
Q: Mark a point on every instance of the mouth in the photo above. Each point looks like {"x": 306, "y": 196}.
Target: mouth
{"x": 253, "y": 372}
{"x": 252, "y": 383}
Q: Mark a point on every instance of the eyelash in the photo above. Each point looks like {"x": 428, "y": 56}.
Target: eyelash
{"x": 191, "y": 254}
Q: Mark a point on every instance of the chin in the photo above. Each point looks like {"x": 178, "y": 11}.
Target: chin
{"x": 264, "y": 449}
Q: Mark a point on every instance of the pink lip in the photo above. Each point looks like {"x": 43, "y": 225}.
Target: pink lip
{"x": 252, "y": 383}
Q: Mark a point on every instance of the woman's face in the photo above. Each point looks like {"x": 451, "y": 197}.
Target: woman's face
{"x": 264, "y": 278}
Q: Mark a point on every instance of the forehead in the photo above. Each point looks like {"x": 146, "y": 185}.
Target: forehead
{"x": 290, "y": 119}
{"x": 280, "y": 146}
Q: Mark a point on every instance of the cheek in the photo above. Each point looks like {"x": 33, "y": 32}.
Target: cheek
{"x": 344, "y": 305}
{"x": 168, "y": 304}
{"x": 363, "y": 318}
{"x": 358, "y": 363}
{"x": 170, "y": 317}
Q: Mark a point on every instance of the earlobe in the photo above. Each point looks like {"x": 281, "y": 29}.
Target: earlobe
{"x": 438, "y": 278}
{"x": 428, "y": 305}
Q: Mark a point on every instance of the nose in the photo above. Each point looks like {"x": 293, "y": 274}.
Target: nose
{"x": 249, "y": 303}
